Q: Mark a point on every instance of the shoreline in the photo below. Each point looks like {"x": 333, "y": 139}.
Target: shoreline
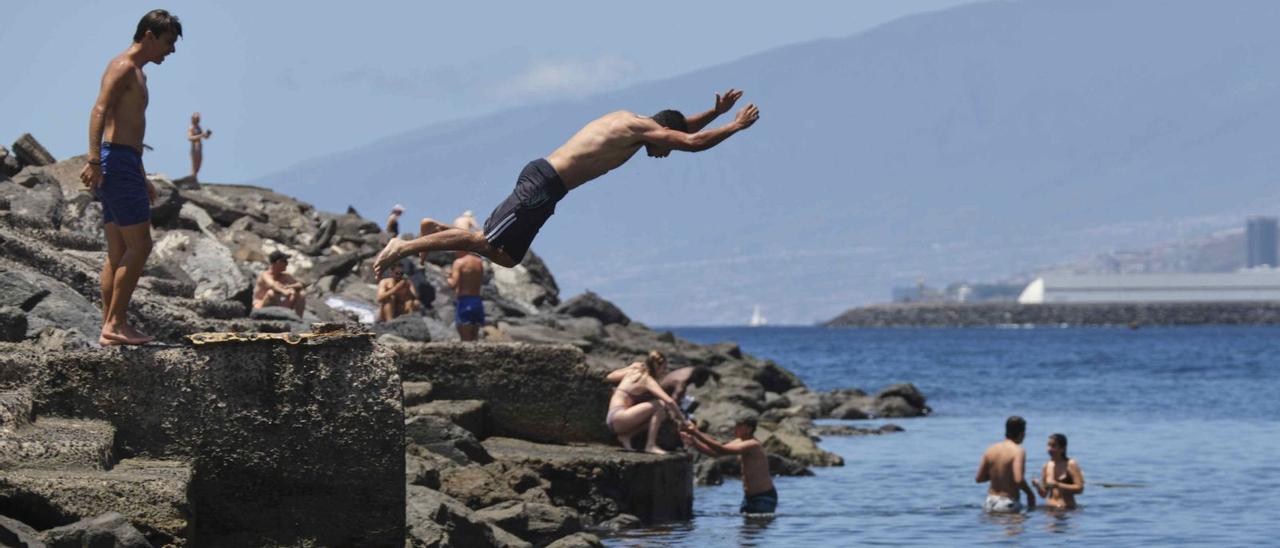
{"x": 1060, "y": 314}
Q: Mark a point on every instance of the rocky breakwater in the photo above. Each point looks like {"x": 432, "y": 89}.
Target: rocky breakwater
{"x": 1057, "y": 314}
{"x": 239, "y": 442}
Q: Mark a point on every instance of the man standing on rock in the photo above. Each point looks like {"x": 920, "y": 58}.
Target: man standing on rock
{"x": 466, "y": 277}
{"x": 1004, "y": 465}
{"x": 115, "y": 173}
{"x": 603, "y": 145}
{"x": 758, "y": 494}
{"x": 197, "y": 135}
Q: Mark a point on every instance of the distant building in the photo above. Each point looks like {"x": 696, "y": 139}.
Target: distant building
{"x": 1261, "y": 235}
{"x": 1250, "y": 285}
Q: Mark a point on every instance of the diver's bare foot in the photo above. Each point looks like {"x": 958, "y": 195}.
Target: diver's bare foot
{"x": 655, "y": 450}
{"x": 388, "y": 256}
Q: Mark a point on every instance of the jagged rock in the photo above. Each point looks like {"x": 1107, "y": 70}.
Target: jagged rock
{"x": 601, "y": 482}
{"x": 591, "y": 305}
{"x": 476, "y": 486}
{"x": 852, "y": 410}
{"x": 35, "y": 196}
{"x": 706, "y": 471}
{"x": 205, "y": 260}
{"x": 468, "y": 414}
{"x": 8, "y": 163}
{"x": 846, "y": 430}
{"x": 524, "y": 409}
{"x": 540, "y": 334}
{"x": 416, "y": 392}
{"x": 518, "y": 286}
{"x": 110, "y": 529}
{"x": 60, "y": 306}
{"x": 323, "y": 236}
{"x": 435, "y": 519}
{"x": 835, "y": 398}
{"x": 53, "y": 338}
{"x": 578, "y": 540}
{"x": 411, "y": 327}
{"x": 220, "y": 208}
{"x": 18, "y": 291}
{"x": 18, "y": 534}
{"x": 538, "y": 523}
{"x": 30, "y": 152}
{"x": 423, "y": 469}
{"x": 776, "y": 379}
{"x": 786, "y": 440}
{"x": 167, "y": 205}
{"x": 622, "y": 522}
{"x": 193, "y": 217}
{"x": 67, "y": 174}
{"x": 585, "y": 328}
{"x": 15, "y": 409}
{"x": 13, "y": 324}
{"x": 441, "y": 436}
{"x": 275, "y": 313}
{"x": 901, "y": 400}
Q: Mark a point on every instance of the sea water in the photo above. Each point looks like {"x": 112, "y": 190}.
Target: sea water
{"x": 1177, "y": 431}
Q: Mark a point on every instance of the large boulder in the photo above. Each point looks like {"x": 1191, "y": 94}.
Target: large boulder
{"x": 49, "y": 303}
{"x": 13, "y": 323}
{"x": 538, "y": 523}
{"x": 441, "y": 436}
{"x": 434, "y": 519}
{"x": 16, "y": 533}
{"x": 410, "y": 327}
{"x": 534, "y": 392}
{"x": 167, "y": 205}
{"x": 593, "y": 306}
{"x": 901, "y": 400}
{"x": 35, "y": 196}
{"x": 519, "y": 286}
{"x": 468, "y": 414}
{"x": 30, "y": 152}
{"x": 578, "y": 540}
{"x": 110, "y": 529}
{"x": 9, "y": 165}
{"x": 205, "y": 260}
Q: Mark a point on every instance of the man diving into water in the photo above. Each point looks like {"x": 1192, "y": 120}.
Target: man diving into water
{"x": 599, "y": 147}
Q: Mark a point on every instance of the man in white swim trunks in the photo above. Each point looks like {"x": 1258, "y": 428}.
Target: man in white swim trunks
{"x": 1004, "y": 465}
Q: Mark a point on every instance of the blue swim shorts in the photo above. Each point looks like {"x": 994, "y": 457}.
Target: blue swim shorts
{"x": 470, "y": 311}
{"x": 123, "y": 192}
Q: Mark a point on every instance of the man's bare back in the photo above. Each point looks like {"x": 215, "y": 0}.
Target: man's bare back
{"x": 1004, "y": 464}
{"x": 467, "y": 275}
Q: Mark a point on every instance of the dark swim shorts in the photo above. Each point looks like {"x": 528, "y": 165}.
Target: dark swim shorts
{"x": 760, "y": 503}
{"x": 470, "y": 311}
{"x": 123, "y": 192}
{"x": 512, "y": 226}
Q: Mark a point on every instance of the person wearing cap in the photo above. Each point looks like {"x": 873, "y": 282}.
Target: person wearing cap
{"x": 275, "y": 287}
{"x": 393, "y": 220}
{"x": 758, "y": 494}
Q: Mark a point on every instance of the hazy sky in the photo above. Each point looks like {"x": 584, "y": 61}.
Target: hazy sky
{"x": 280, "y": 82}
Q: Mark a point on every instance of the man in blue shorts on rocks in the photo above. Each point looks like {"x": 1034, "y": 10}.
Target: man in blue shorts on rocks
{"x": 598, "y": 148}
{"x": 466, "y": 278}
{"x": 115, "y": 173}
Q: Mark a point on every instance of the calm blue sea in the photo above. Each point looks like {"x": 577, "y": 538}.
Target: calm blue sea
{"x": 1188, "y": 417}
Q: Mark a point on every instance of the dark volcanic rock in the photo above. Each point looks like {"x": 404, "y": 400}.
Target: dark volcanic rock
{"x": 16, "y": 533}
{"x": 13, "y": 323}
{"x": 901, "y": 400}
{"x": 578, "y": 540}
{"x": 410, "y": 327}
{"x": 433, "y": 519}
{"x": 558, "y": 397}
{"x": 441, "y": 436}
{"x": 538, "y": 523}
{"x": 110, "y": 529}
{"x": 275, "y": 313}
{"x": 30, "y": 152}
{"x": 601, "y": 482}
{"x": 593, "y": 306}
{"x": 468, "y": 414}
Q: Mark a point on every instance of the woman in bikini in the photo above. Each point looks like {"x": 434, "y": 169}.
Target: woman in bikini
{"x": 1061, "y": 479}
{"x": 627, "y": 417}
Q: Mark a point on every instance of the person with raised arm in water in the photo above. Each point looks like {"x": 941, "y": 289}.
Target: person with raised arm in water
{"x": 1004, "y": 464}
{"x": 758, "y": 493}
{"x": 1061, "y": 478}
{"x": 115, "y": 174}
{"x": 598, "y": 148}
{"x": 627, "y": 415}
{"x": 466, "y": 277}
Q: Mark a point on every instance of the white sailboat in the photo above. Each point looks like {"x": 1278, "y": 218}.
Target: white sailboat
{"x": 757, "y": 319}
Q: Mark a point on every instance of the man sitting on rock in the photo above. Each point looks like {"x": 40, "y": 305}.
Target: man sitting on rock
{"x": 602, "y": 146}
{"x": 275, "y": 287}
{"x": 758, "y": 493}
{"x": 465, "y": 277}
{"x": 396, "y": 295}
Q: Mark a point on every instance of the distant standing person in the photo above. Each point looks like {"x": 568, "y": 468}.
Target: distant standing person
{"x": 197, "y": 135}
{"x": 466, "y": 277}
{"x": 1061, "y": 478}
{"x": 275, "y": 287}
{"x": 115, "y": 172}
{"x": 1004, "y": 465}
{"x": 676, "y": 383}
{"x": 758, "y": 493}
{"x": 393, "y": 220}
{"x": 467, "y": 222}
{"x": 396, "y": 295}
{"x": 601, "y": 146}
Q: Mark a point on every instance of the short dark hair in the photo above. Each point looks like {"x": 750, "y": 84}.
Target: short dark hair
{"x": 749, "y": 420}
{"x": 158, "y": 22}
{"x": 276, "y": 256}
{"x": 1061, "y": 440}
{"x": 672, "y": 119}
{"x": 700, "y": 375}
{"x": 1015, "y": 427}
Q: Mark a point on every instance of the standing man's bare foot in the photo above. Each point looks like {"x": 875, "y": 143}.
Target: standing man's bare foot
{"x": 389, "y": 254}
{"x": 125, "y": 334}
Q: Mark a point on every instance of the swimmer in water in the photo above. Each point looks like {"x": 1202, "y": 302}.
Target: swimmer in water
{"x": 1060, "y": 479}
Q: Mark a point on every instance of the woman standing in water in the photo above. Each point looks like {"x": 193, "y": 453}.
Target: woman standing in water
{"x": 626, "y": 417}
{"x": 1060, "y": 479}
